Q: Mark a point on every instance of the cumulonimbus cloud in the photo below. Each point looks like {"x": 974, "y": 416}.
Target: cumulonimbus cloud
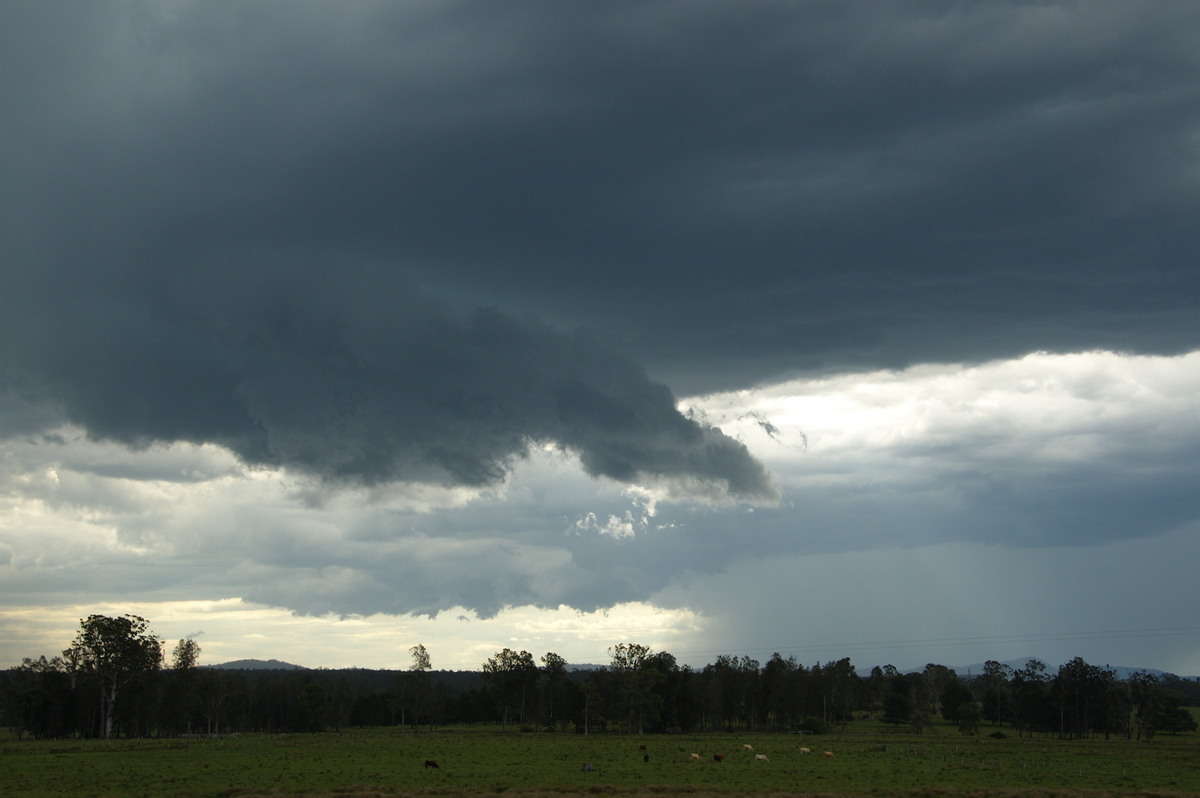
{"x": 365, "y": 386}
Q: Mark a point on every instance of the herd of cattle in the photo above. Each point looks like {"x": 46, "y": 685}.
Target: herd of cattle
{"x": 588, "y": 767}
{"x": 747, "y": 748}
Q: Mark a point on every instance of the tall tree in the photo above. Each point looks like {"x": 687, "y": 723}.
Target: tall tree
{"x": 937, "y": 677}
{"x": 779, "y": 693}
{"x": 922, "y": 699}
{"x": 879, "y": 686}
{"x": 181, "y": 697}
{"x": 1073, "y": 695}
{"x": 419, "y": 683}
{"x": 843, "y": 685}
{"x": 421, "y": 663}
{"x": 1146, "y": 699}
{"x": 510, "y": 675}
{"x": 591, "y": 703}
{"x": 113, "y": 651}
{"x": 669, "y": 690}
{"x": 1029, "y": 698}
{"x": 1112, "y": 702}
{"x": 750, "y": 687}
{"x": 216, "y": 686}
{"x": 554, "y": 668}
{"x": 994, "y": 684}
{"x": 633, "y": 665}
{"x": 185, "y": 655}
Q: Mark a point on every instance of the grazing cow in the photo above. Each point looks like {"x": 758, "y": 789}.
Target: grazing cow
{"x": 718, "y": 757}
{"x": 429, "y": 763}
{"x": 806, "y": 750}
{"x": 587, "y": 767}
{"x": 747, "y": 747}
{"x": 642, "y": 747}
{"x": 694, "y": 757}
{"x": 645, "y": 757}
{"x": 828, "y": 754}
{"x": 761, "y": 758}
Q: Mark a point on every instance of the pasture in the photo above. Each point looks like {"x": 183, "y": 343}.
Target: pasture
{"x": 868, "y": 761}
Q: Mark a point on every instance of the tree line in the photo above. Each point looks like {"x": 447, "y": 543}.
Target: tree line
{"x": 116, "y": 679}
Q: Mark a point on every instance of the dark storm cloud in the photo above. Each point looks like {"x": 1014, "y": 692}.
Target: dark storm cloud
{"x": 358, "y": 380}
{"x": 229, "y": 224}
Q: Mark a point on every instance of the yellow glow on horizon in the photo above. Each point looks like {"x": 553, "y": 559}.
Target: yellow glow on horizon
{"x": 230, "y": 629}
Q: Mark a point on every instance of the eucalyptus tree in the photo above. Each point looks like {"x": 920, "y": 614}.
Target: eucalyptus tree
{"x": 750, "y": 683}
{"x": 185, "y": 655}
{"x": 638, "y": 672}
{"x": 922, "y": 699}
{"x": 779, "y": 691}
{"x": 842, "y": 688}
{"x": 408, "y": 692}
{"x": 510, "y": 675}
{"x": 554, "y": 694}
{"x": 113, "y": 652}
{"x": 1147, "y": 703}
{"x": 215, "y": 688}
{"x": 420, "y": 698}
{"x": 1113, "y": 710}
{"x": 879, "y": 686}
{"x": 593, "y": 700}
{"x": 181, "y": 694}
{"x": 938, "y": 678}
{"x": 1073, "y": 694}
{"x": 994, "y": 686}
{"x": 679, "y": 710}
{"x": 720, "y": 679}
{"x": 1030, "y": 698}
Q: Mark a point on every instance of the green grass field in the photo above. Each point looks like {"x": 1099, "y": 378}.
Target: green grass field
{"x": 868, "y": 761}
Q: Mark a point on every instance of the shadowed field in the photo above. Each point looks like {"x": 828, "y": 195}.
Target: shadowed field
{"x": 867, "y": 762}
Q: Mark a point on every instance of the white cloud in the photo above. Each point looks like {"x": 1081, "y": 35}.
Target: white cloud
{"x": 1051, "y": 408}
{"x": 904, "y": 493}
{"x": 956, "y": 433}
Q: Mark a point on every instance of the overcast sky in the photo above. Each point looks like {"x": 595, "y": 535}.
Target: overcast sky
{"x": 828, "y": 329}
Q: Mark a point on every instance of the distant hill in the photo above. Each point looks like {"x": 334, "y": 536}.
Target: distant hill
{"x": 278, "y": 665}
{"x": 257, "y": 665}
{"x": 581, "y": 670}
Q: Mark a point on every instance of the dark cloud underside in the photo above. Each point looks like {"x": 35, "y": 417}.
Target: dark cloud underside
{"x": 272, "y": 226}
{"x": 370, "y": 385}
